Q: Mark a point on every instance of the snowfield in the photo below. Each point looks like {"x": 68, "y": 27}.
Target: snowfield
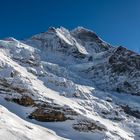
{"x": 14, "y": 128}
{"x": 70, "y": 83}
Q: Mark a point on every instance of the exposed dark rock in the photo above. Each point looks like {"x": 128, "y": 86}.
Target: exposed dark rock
{"x": 28, "y": 127}
{"x": 51, "y": 29}
{"x": 52, "y": 112}
{"x": 131, "y": 112}
{"x": 86, "y": 126}
{"x": 78, "y": 54}
{"x": 24, "y": 101}
{"x": 120, "y": 50}
{"x": 69, "y": 111}
{"x": 43, "y": 115}
{"x": 14, "y": 73}
{"x": 105, "y": 112}
{"x": 90, "y": 58}
{"x": 7, "y": 86}
{"x": 108, "y": 99}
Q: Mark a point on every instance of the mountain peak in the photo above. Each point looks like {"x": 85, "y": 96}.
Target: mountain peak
{"x": 79, "y": 42}
{"x": 72, "y": 79}
{"x": 84, "y": 31}
{"x": 54, "y": 29}
{"x": 81, "y": 28}
{"x": 10, "y": 39}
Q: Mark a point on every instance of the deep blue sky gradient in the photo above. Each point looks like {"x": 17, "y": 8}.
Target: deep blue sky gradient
{"x": 115, "y": 21}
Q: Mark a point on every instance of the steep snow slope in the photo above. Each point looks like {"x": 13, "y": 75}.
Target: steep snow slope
{"x": 117, "y": 69}
{"x": 64, "y": 80}
{"x": 14, "y": 128}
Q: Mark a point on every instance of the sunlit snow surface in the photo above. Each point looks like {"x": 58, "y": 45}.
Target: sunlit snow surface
{"x": 53, "y": 75}
{"x": 14, "y": 128}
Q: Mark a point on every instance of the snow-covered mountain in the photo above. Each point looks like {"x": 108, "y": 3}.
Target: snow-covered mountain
{"x": 71, "y": 82}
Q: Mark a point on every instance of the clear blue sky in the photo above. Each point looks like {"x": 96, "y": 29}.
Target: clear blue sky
{"x": 115, "y": 21}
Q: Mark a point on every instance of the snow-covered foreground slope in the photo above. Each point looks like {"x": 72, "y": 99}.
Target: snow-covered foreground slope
{"x": 73, "y": 83}
{"x": 14, "y": 128}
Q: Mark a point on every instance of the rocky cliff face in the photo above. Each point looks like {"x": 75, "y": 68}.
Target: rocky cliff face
{"x": 118, "y": 72}
{"x": 72, "y": 82}
{"x": 116, "y": 68}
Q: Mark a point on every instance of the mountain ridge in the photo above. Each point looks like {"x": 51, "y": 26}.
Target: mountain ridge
{"x": 73, "y": 83}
